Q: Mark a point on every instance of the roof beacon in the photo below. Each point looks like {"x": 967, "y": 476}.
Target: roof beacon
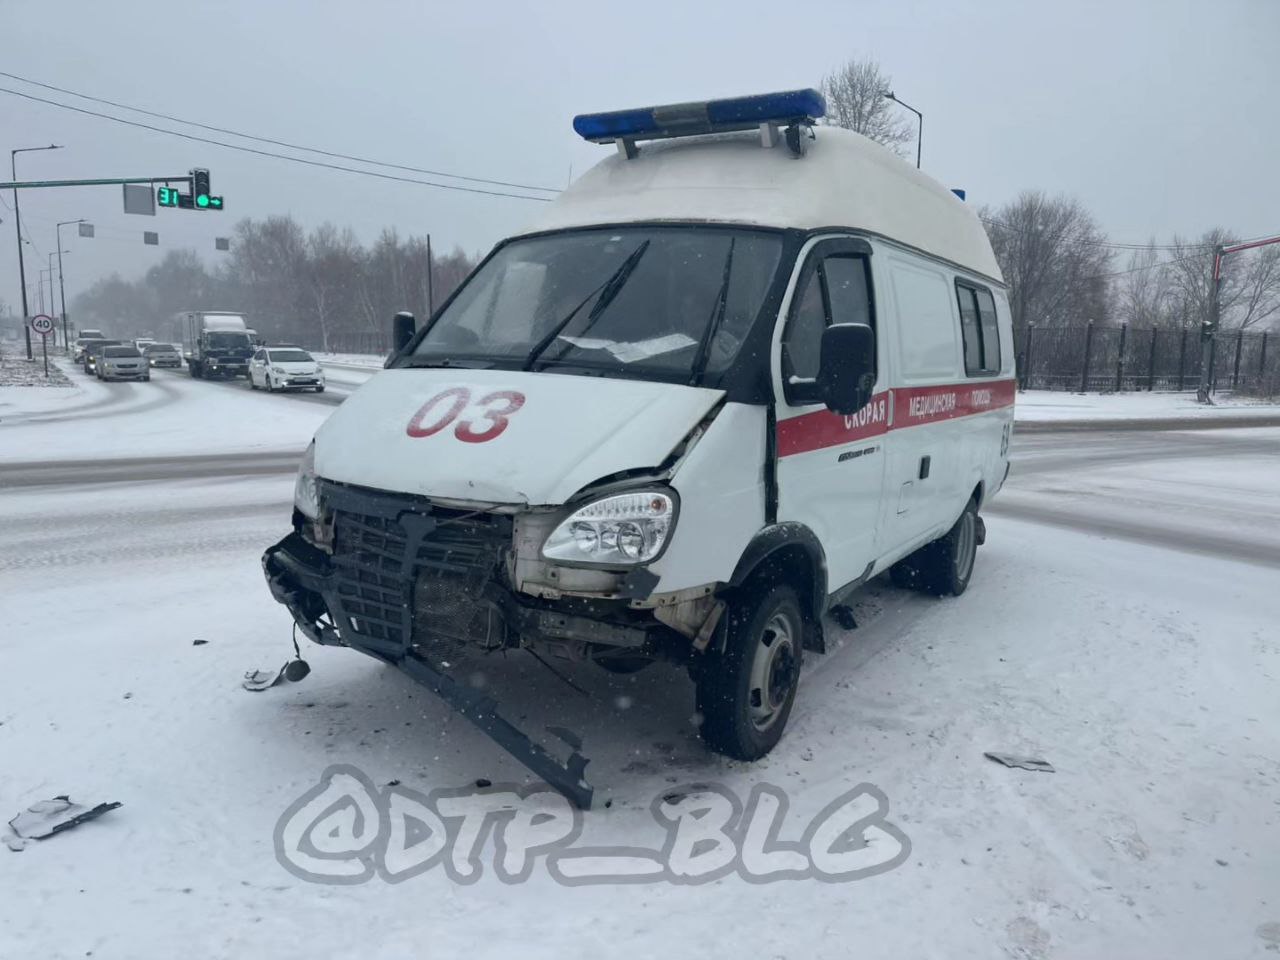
{"x": 792, "y": 109}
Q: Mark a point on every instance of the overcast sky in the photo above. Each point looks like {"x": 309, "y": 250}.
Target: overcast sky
{"x": 1159, "y": 115}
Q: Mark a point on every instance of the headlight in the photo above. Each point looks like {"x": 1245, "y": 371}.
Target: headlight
{"x": 305, "y": 495}
{"x": 627, "y": 528}
{"x": 277, "y": 369}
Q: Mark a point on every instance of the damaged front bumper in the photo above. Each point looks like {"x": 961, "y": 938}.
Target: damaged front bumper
{"x": 333, "y": 607}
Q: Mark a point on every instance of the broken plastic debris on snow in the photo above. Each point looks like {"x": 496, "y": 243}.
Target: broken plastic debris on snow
{"x": 47, "y": 817}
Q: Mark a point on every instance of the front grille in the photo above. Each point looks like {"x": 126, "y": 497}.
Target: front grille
{"x": 380, "y": 552}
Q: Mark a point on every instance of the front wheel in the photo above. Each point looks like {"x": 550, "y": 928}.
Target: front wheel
{"x": 746, "y": 692}
{"x": 319, "y": 389}
{"x": 271, "y": 384}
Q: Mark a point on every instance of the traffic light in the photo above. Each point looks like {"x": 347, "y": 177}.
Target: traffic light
{"x": 200, "y": 188}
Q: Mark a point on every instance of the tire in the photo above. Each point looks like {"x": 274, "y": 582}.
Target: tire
{"x": 271, "y": 387}
{"x": 147, "y": 378}
{"x": 945, "y": 566}
{"x": 194, "y": 367}
{"x": 745, "y": 693}
{"x": 319, "y": 389}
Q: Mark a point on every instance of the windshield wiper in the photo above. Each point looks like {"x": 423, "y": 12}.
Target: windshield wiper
{"x": 468, "y": 363}
{"x": 713, "y": 324}
{"x": 607, "y": 290}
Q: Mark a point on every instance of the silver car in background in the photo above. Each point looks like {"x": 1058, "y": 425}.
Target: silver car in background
{"x": 123, "y": 363}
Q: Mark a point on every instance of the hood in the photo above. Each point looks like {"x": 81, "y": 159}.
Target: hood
{"x": 296, "y": 366}
{"x": 500, "y": 436}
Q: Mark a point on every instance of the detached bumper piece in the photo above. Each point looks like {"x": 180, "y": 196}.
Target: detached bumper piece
{"x": 392, "y": 557}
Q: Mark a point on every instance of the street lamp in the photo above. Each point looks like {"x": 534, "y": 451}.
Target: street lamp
{"x": 920, "y": 135}
{"x": 17, "y": 226}
{"x": 52, "y": 301}
{"x": 66, "y": 343}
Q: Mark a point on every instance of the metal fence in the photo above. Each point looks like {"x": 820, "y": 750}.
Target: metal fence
{"x": 1095, "y": 357}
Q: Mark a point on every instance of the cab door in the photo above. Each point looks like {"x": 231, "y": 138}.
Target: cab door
{"x": 830, "y": 468}
{"x": 257, "y": 367}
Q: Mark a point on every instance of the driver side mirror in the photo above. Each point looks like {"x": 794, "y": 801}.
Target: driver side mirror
{"x": 846, "y": 367}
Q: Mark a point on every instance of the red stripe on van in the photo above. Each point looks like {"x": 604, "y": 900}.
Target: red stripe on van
{"x": 912, "y": 406}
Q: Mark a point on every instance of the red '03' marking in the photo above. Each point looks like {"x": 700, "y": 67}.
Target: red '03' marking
{"x": 912, "y": 406}
{"x": 487, "y": 417}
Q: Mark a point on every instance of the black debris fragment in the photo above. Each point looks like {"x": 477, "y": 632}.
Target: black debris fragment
{"x": 198, "y": 643}
{"x": 1024, "y": 763}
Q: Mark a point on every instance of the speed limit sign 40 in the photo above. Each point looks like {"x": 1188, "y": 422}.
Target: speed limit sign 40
{"x": 42, "y": 324}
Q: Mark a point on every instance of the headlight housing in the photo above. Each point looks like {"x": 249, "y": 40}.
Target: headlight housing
{"x": 624, "y": 529}
{"x": 306, "y": 494}
{"x": 277, "y": 369}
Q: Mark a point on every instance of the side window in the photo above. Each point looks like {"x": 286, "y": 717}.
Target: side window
{"x": 803, "y": 338}
{"x": 990, "y": 332}
{"x": 833, "y": 290}
{"x": 979, "y": 329}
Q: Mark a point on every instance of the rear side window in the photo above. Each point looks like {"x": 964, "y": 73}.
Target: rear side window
{"x": 980, "y": 330}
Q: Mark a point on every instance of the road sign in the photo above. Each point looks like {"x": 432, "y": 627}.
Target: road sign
{"x": 139, "y": 199}
{"x": 42, "y": 324}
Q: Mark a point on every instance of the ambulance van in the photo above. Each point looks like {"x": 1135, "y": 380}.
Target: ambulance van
{"x": 737, "y": 369}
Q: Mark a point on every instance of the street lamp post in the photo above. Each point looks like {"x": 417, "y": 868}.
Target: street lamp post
{"x": 66, "y": 343}
{"x": 920, "y": 133}
{"x": 53, "y": 301}
{"x": 17, "y": 225}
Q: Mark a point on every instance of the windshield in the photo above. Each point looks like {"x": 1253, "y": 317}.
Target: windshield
{"x": 290, "y": 356}
{"x": 161, "y": 348}
{"x": 670, "y": 301}
{"x": 121, "y": 352}
{"x": 228, "y": 341}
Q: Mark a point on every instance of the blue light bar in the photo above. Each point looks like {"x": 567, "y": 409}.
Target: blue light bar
{"x": 707, "y": 116}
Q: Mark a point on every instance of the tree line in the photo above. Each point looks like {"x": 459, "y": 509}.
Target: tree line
{"x": 322, "y": 289}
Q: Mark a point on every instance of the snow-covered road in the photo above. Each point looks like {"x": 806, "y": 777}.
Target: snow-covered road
{"x": 1144, "y": 665}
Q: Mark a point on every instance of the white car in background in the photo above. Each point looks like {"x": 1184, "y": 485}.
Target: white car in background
{"x": 285, "y": 368}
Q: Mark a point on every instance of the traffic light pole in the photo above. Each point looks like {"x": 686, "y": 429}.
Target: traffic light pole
{"x": 112, "y": 182}
{"x": 1210, "y": 326}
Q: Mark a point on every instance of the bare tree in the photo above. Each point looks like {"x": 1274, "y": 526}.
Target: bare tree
{"x": 856, "y": 101}
{"x": 1144, "y": 292}
{"x": 1054, "y": 259}
{"x": 1250, "y": 294}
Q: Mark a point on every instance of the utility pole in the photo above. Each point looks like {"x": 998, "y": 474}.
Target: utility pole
{"x": 17, "y": 226}
{"x": 431, "y": 283}
{"x": 1209, "y": 327}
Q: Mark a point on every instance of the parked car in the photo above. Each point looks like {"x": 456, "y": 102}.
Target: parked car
{"x": 86, "y": 337}
{"x": 162, "y": 355}
{"x": 93, "y": 349}
{"x": 124, "y": 362}
{"x": 285, "y": 368}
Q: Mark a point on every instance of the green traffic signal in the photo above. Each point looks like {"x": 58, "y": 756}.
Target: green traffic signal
{"x": 202, "y": 200}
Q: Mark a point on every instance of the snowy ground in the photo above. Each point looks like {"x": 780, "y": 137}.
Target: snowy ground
{"x": 17, "y": 371}
{"x": 1121, "y": 624}
{"x": 172, "y": 415}
{"x": 1045, "y": 405}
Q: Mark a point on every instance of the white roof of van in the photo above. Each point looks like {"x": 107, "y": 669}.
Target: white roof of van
{"x": 845, "y": 180}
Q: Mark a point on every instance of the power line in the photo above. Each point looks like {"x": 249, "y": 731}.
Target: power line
{"x": 268, "y": 153}
{"x": 1136, "y": 247}
{"x": 278, "y": 143}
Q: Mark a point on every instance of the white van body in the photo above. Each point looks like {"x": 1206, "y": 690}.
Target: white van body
{"x": 766, "y": 488}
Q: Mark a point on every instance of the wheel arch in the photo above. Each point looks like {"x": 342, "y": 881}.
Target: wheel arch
{"x": 795, "y": 553}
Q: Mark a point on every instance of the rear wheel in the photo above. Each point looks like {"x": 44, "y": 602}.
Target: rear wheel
{"x": 746, "y": 692}
{"x": 945, "y": 566}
